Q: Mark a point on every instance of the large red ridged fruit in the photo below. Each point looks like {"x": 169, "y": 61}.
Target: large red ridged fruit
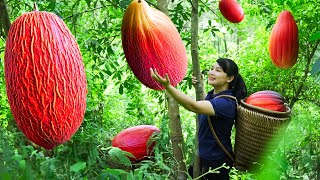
{"x": 270, "y": 100}
{"x": 45, "y": 78}
{"x": 284, "y": 41}
{"x": 151, "y": 40}
{"x": 231, "y": 10}
{"x": 136, "y": 140}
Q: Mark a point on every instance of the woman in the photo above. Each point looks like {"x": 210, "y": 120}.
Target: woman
{"x": 225, "y": 78}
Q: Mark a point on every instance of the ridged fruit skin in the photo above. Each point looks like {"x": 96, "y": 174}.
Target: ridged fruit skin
{"x": 270, "y": 100}
{"x": 135, "y": 140}
{"x": 151, "y": 40}
{"x": 45, "y": 78}
{"x": 284, "y": 41}
{"x": 231, "y": 10}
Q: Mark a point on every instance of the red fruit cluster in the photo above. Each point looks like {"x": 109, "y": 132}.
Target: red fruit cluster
{"x": 270, "y": 100}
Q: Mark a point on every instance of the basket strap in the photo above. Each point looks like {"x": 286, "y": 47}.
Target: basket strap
{"x": 214, "y": 133}
{"x": 218, "y": 141}
{"x": 229, "y": 96}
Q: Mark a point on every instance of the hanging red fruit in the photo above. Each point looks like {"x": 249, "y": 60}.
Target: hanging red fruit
{"x": 231, "y": 10}
{"x": 270, "y": 100}
{"x": 45, "y": 78}
{"x": 136, "y": 140}
{"x": 151, "y": 40}
{"x": 284, "y": 42}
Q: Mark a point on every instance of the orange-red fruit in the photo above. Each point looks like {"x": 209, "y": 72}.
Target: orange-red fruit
{"x": 284, "y": 42}
{"x": 136, "y": 140}
{"x": 151, "y": 40}
{"x": 231, "y": 10}
{"x": 270, "y": 100}
{"x": 45, "y": 78}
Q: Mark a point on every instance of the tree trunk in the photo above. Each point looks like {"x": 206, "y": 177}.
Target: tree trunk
{"x": 238, "y": 39}
{"x": 176, "y": 136}
{"x": 197, "y": 74}
{"x": 219, "y": 39}
{"x": 4, "y": 16}
{"x": 225, "y": 43}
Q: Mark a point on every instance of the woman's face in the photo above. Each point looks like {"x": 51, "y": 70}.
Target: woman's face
{"x": 217, "y": 77}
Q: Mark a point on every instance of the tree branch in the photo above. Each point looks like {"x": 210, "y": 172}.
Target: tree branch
{"x": 93, "y": 9}
{"x": 306, "y": 71}
{"x": 82, "y": 12}
{"x": 315, "y": 101}
{"x": 152, "y": 4}
{"x": 206, "y": 5}
{"x": 1, "y": 31}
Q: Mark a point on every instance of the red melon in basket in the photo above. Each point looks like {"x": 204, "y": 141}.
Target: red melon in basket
{"x": 136, "y": 140}
{"x": 270, "y": 100}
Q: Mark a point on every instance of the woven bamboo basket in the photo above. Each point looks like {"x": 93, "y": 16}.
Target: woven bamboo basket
{"x": 256, "y": 133}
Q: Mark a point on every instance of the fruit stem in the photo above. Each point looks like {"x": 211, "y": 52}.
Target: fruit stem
{"x": 139, "y": 1}
{"x": 35, "y": 6}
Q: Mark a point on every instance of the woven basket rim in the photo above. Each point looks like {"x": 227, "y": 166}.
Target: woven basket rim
{"x": 268, "y": 112}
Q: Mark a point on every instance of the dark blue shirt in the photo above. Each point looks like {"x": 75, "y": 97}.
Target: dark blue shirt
{"x": 225, "y": 110}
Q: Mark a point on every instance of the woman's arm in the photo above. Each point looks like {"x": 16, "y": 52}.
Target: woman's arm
{"x": 200, "y": 107}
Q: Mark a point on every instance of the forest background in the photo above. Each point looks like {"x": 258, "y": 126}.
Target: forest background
{"x": 117, "y": 100}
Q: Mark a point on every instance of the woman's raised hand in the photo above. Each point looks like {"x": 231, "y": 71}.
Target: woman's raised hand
{"x": 194, "y": 80}
{"x": 163, "y": 81}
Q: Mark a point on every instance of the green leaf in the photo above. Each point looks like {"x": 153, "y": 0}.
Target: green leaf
{"x": 22, "y": 164}
{"x": 17, "y": 157}
{"x": 78, "y": 166}
{"x": 116, "y": 154}
{"x": 88, "y": 2}
{"x": 315, "y": 36}
{"x": 121, "y": 89}
{"x": 110, "y": 50}
{"x": 124, "y": 3}
{"x": 316, "y": 67}
{"x": 52, "y": 5}
{"x": 109, "y": 173}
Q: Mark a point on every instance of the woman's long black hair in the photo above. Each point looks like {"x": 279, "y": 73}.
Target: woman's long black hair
{"x": 237, "y": 84}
